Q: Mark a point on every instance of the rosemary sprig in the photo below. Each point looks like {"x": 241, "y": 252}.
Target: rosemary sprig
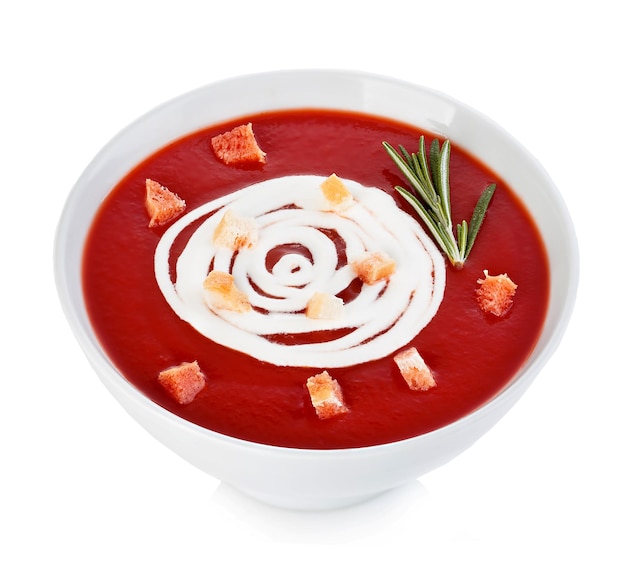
{"x": 430, "y": 197}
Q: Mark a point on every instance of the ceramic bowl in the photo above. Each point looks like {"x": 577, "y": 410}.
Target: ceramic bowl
{"x": 304, "y": 478}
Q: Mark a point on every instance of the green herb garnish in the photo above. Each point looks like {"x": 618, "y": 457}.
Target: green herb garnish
{"x": 429, "y": 176}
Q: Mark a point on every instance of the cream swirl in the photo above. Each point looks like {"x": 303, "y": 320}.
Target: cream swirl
{"x": 304, "y": 248}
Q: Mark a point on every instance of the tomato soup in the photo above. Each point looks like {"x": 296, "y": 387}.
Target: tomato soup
{"x": 472, "y": 354}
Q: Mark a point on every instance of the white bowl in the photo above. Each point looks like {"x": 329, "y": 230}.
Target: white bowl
{"x": 304, "y": 478}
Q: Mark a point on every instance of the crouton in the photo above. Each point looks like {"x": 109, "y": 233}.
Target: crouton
{"x": 324, "y": 306}
{"x": 162, "y": 204}
{"x": 238, "y": 146}
{"x": 373, "y": 267}
{"x": 183, "y": 382}
{"x": 326, "y": 395}
{"x": 336, "y": 193}
{"x": 235, "y": 232}
{"x": 414, "y": 370}
{"x": 220, "y": 292}
{"x": 495, "y": 293}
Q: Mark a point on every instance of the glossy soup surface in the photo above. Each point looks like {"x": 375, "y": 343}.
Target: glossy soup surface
{"x": 472, "y": 354}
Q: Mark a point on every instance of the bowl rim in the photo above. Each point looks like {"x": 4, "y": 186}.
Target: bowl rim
{"x": 115, "y": 380}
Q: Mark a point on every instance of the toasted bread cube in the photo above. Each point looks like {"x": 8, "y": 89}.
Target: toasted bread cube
{"x": 183, "y": 382}
{"x": 373, "y": 267}
{"x": 162, "y": 204}
{"x": 495, "y": 293}
{"x": 414, "y": 370}
{"x": 235, "y": 232}
{"x": 336, "y": 193}
{"x": 324, "y": 306}
{"x": 220, "y": 292}
{"x": 238, "y": 146}
{"x": 326, "y": 395}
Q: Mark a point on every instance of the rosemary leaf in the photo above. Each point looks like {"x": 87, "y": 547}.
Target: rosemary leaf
{"x": 479, "y": 215}
{"x": 461, "y": 237}
{"x": 421, "y": 159}
{"x": 422, "y": 176}
{"x": 435, "y": 160}
{"x": 443, "y": 179}
{"x": 405, "y": 154}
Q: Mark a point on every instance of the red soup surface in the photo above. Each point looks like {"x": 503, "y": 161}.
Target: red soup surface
{"x": 473, "y": 355}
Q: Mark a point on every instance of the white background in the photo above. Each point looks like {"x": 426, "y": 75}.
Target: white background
{"x": 82, "y": 486}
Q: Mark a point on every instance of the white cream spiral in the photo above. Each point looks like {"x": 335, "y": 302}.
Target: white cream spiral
{"x": 290, "y": 213}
